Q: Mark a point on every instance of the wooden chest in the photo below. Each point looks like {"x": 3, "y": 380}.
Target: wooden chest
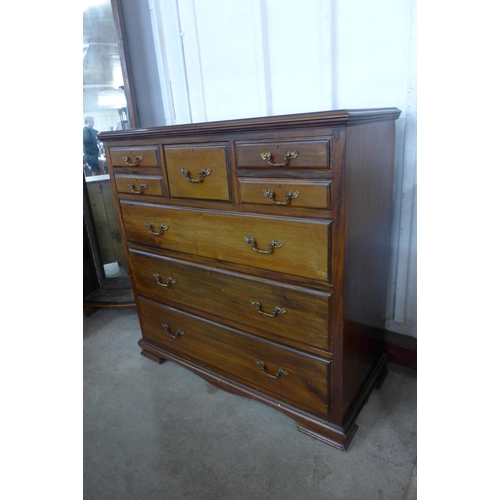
{"x": 259, "y": 254}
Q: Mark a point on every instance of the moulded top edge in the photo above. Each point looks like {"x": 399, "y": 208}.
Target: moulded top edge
{"x": 316, "y": 119}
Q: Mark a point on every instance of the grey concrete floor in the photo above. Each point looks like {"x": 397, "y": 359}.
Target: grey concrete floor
{"x": 160, "y": 431}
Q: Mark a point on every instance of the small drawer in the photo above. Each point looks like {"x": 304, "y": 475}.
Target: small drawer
{"x": 285, "y": 193}
{"x": 198, "y": 172}
{"x": 147, "y": 186}
{"x": 136, "y": 157}
{"x": 300, "y": 247}
{"x": 284, "y": 155}
{"x": 279, "y": 311}
{"x": 290, "y": 375}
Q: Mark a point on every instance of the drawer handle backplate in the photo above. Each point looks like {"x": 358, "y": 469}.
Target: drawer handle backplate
{"x": 269, "y": 193}
{"x": 277, "y": 310}
{"x": 201, "y": 174}
{"x": 142, "y": 187}
{"x": 267, "y": 156}
{"x": 137, "y": 159}
{"x": 170, "y": 280}
{"x": 175, "y": 335}
{"x": 161, "y": 228}
{"x": 279, "y": 373}
{"x": 274, "y": 244}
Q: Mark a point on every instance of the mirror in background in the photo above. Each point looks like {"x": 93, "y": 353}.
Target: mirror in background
{"x": 105, "y": 102}
{"x": 104, "y": 97}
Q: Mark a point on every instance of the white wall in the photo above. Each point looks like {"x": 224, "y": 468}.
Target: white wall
{"x": 222, "y": 59}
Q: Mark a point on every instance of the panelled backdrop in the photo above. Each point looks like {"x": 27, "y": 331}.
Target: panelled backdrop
{"x": 204, "y": 60}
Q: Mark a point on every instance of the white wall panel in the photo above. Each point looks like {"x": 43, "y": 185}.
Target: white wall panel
{"x": 170, "y": 61}
{"x": 225, "y": 59}
{"x": 223, "y": 67}
{"x": 372, "y": 52}
{"x": 404, "y": 278}
{"x": 299, "y": 49}
{"x": 376, "y": 67}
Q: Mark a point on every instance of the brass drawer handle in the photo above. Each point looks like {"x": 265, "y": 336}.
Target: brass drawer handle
{"x": 279, "y": 373}
{"x": 142, "y": 187}
{"x": 175, "y": 335}
{"x": 267, "y": 156}
{"x": 137, "y": 159}
{"x": 277, "y": 310}
{"x": 274, "y": 244}
{"x": 201, "y": 174}
{"x": 269, "y": 193}
{"x": 170, "y": 280}
{"x": 161, "y": 228}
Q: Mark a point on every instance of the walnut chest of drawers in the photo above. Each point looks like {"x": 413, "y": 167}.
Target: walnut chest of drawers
{"x": 259, "y": 255}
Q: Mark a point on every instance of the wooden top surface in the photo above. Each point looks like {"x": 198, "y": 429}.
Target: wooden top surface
{"x": 316, "y": 119}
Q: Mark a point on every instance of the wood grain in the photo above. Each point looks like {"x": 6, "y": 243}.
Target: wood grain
{"x": 221, "y": 236}
{"x": 310, "y": 194}
{"x": 236, "y": 354}
{"x": 215, "y": 186}
{"x": 202, "y": 290}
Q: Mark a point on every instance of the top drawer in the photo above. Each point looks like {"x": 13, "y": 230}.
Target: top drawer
{"x": 313, "y": 154}
{"x": 198, "y": 172}
{"x": 134, "y": 157}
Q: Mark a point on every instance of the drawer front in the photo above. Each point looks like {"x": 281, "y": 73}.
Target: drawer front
{"x": 135, "y": 157}
{"x": 148, "y": 186}
{"x": 285, "y": 193}
{"x": 286, "y": 155}
{"x": 198, "y": 172}
{"x": 287, "y": 312}
{"x": 300, "y": 379}
{"x": 290, "y": 246}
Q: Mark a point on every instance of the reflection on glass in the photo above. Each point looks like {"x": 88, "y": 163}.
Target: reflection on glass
{"x": 105, "y": 107}
{"x": 103, "y": 89}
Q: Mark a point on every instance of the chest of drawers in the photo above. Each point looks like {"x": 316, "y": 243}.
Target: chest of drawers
{"x": 259, "y": 255}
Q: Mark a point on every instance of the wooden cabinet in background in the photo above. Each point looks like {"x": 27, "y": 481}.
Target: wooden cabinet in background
{"x": 102, "y": 245}
{"x": 259, "y": 255}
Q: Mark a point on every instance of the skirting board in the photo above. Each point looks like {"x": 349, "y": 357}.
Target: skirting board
{"x": 401, "y": 349}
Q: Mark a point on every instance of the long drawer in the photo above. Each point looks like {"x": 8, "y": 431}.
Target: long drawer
{"x": 298, "y": 247}
{"x": 292, "y": 376}
{"x": 288, "y": 312}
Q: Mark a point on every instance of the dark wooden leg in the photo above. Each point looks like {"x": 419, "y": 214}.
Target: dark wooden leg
{"x": 150, "y": 354}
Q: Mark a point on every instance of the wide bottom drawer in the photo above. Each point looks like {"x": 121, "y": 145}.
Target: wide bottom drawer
{"x": 294, "y": 377}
